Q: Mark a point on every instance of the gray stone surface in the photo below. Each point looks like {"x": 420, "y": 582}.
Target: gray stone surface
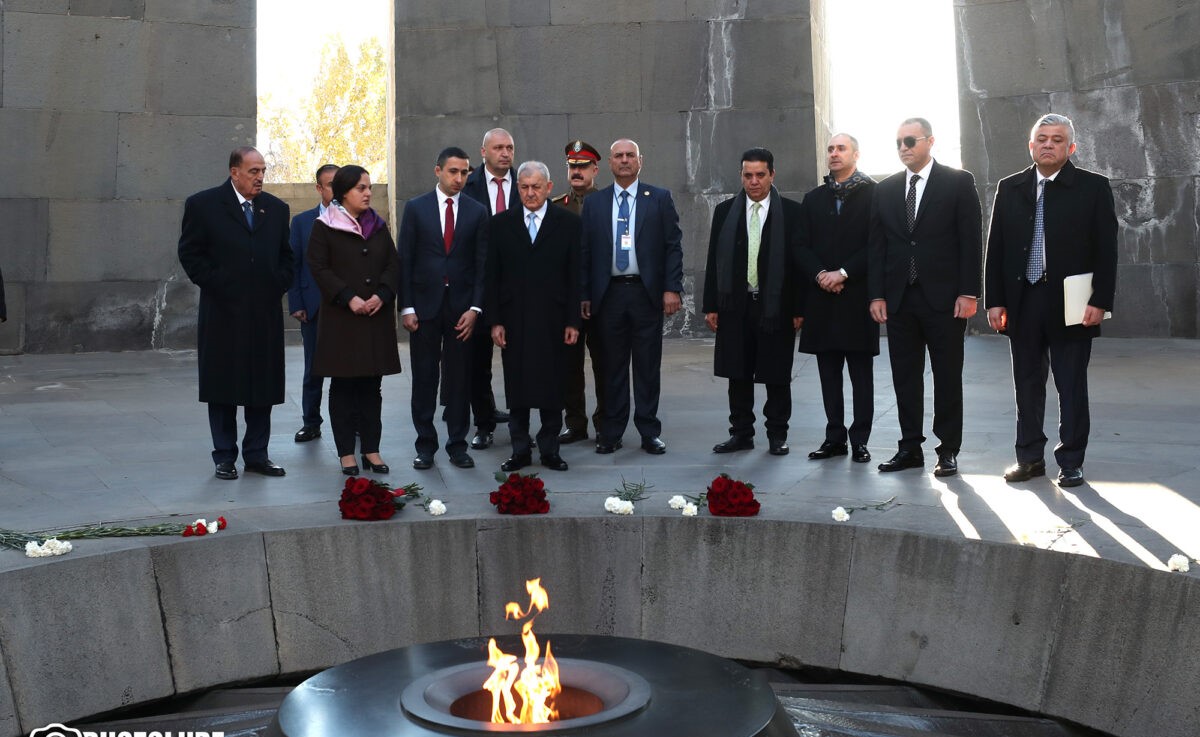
{"x": 1142, "y": 686}
{"x": 191, "y": 84}
{"x": 346, "y": 591}
{"x": 100, "y": 611}
{"x": 513, "y": 13}
{"x": 226, "y": 13}
{"x": 1008, "y": 53}
{"x": 597, "y": 560}
{"x": 429, "y": 73}
{"x": 23, "y": 247}
{"x": 8, "y": 711}
{"x": 603, "y": 12}
{"x": 916, "y": 605}
{"x": 71, "y": 317}
{"x": 134, "y": 9}
{"x": 435, "y": 14}
{"x": 221, "y": 629}
{"x": 90, "y": 240}
{"x": 12, "y": 337}
{"x": 39, "y": 47}
{"x": 58, "y": 141}
{"x": 772, "y": 594}
{"x": 36, "y": 6}
{"x": 174, "y": 156}
{"x": 673, "y": 67}
{"x": 1117, "y": 43}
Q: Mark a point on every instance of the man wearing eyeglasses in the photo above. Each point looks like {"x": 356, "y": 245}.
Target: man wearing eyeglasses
{"x": 234, "y": 246}
{"x": 924, "y": 281}
{"x": 1050, "y": 222}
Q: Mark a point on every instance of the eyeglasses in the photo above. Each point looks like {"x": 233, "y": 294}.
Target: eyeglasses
{"x": 908, "y": 141}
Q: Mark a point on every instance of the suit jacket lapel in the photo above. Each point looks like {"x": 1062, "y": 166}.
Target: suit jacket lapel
{"x": 643, "y": 204}
{"x": 233, "y": 207}
{"x": 932, "y": 186}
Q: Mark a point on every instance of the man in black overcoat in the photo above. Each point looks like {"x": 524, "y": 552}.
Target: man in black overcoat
{"x": 531, "y": 300}
{"x": 838, "y": 327}
{"x": 923, "y": 275}
{"x": 234, "y": 246}
{"x": 754, "y": 301}
{"x": 1050, "y": 221}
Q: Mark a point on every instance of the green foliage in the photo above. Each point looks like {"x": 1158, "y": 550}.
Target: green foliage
{"x": 343, "y": 120}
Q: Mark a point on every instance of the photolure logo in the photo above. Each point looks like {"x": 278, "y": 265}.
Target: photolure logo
{"x": 58, "y": 730}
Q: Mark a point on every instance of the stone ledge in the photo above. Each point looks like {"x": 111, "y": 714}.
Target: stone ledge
{"x": 138, "y": 620}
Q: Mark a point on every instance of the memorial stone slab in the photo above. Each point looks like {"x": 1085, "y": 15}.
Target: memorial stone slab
{"x": 175, "y": 156}
{"x": 133, "y": 9}
{"x": 468, "y": 65}
{"x": 58, "y": 141}
{"x": 72, "y": 317}
{"x": 23, "y": 249}
{"x": 191, "y": 84}
{"x": 89, "y": 241}
{"x": 224, "y": 13}
{"x": 1008, "y": 53}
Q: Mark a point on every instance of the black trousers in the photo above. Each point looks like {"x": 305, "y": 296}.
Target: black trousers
{"x": 777, "y": 410}
{"x": 631, "y": 333}
{"x": 1034, "y": 355}
{"x": 310, "y": 397}
{"x": 437, "y": 353}
{"x": 547, "y": 436}
{"x": 355, "y": 404}
{"x": 222, "y": 422}
{"x": 862, "y": 380}
{"x": 911, "y": 330}
{"x": 483, "y": 401}
{"x": 574, "y": 384}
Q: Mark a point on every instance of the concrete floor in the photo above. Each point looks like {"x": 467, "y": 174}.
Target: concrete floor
{"x": 120, "y": 437}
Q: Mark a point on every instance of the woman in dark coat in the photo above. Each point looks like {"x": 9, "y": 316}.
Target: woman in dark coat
{"x": 838, "y": 327}
{"x": 353, "y": 260}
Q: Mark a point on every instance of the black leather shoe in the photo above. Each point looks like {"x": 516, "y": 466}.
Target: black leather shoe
{"x": 654, "y": 446}
{"x": 860, "y": 454}
{"x": 307, "y": 433}
{"x": 733, "y": 444}
{"x": 554, "y": 462}
{"x": 828, "y": 449}
{"x": 902, "y": 460}
{"x": 350, "y": 470}
{"x": 501, "y": 416}
{"x": 568, "y": 436}
{"x": 516, "y": 462}
{"x": 422, "y": 463}
{"x": 779, "y": 448}
{"x": 604, "y": 448}
{"x": 226, "y": 471}
{"x": 947, "y": 464}
{"x": 375, "y": 467}
{"x": 1068, "y": 477}
{"x": 1024, "y": 471}
{"x": 481, "y": 441}
{"x": 266, "y": 468}
{"x": 462, "y": 460}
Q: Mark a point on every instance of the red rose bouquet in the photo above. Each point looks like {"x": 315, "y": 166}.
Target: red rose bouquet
{"x": 520, "y": 494}
{"x": 728, "y": 497}
{"x": 366, "y": 499}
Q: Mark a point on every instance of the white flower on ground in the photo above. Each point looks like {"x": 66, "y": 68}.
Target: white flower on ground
{"x": 690, "y": 509}
{"x": 616, "y": 505}
{"x": 677, "y": 502}
{"x": 437, "y": 508}
{"x": 840, "y": 514}
{"x": 201, "y": 522}
{"x": 1179, "y": 563}
{"x": 53, "y": 546}
{"x": 212, "y": 527}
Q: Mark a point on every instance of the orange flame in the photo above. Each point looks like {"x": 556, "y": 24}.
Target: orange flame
{"x": 524, "y": 695}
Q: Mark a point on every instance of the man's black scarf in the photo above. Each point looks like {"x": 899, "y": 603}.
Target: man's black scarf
{"x": 731, "y": 293}
{"x": 842, "y": 189}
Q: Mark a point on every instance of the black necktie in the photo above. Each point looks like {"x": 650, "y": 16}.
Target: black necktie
{"x": 910, "y": 209}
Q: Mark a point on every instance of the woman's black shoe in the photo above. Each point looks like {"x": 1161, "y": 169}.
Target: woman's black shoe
{"x": 350, "y": 470}
{"x": 375, "y": 467}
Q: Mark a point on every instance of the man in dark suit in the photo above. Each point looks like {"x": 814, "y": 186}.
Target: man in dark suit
{"x": 304, "y": 302}
{"x": 838, "y": 328}
{"x": 924, "y": 274}
{"x": 532, "y": 303}
{"x": 1050, "y": 221}
{"x": 234, "y": 246}
{"x": 632, "y": 258}
{"x": 443, "y": 247}
{"x": 582, "y": 166}
{"x": 753, "y": 301}
{"x": 493, "y": 186}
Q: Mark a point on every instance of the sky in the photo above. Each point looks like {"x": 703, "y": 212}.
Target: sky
{"x": 891, "y": 60}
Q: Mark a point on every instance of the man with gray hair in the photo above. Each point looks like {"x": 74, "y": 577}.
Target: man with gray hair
{"x": 1053, "y": 225}
{"x": 531, "y": 302}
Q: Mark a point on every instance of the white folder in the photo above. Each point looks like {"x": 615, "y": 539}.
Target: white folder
{"x": 1077, "y": 290}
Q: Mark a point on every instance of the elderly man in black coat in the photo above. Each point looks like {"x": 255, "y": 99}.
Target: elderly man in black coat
{"x": 531, "y": 300}
{"x": 754, "y": 302}
{"x": 838, "y": 328}
{"x": 234, "y": 246}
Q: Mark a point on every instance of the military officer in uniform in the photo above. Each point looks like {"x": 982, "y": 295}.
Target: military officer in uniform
{"x": 582, "y": 167}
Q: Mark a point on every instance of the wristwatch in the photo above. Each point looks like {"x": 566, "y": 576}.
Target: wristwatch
{"x": 843, "y": 273}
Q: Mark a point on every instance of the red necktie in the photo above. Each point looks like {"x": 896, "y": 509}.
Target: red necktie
{"x": 499, "y": 195}
{"x": 448, "y": 233}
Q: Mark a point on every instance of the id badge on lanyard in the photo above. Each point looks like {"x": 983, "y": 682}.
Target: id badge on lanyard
{"x": 626, "y": 241}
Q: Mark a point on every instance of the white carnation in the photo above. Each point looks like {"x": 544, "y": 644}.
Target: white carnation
{"x": 840, "y": 514}
{"x": 1179, "y": 563}
{"x": 437, "y": 508}
{"x": 677, "y": 502}
{"x": 53, "y": 546}
{"x": 33, "y": 550}
{"x": 690, "y": 509}
{"x": 213, "y": 527}
{"x": 625, "y": 507}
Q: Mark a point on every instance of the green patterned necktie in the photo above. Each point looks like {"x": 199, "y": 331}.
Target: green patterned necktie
{"x": 755, "y": 242}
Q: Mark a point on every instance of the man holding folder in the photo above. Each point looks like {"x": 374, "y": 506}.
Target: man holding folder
{"x": 1051, "y": 222}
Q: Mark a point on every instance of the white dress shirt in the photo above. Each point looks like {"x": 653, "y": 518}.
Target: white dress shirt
{"x": 632, "y": 189}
